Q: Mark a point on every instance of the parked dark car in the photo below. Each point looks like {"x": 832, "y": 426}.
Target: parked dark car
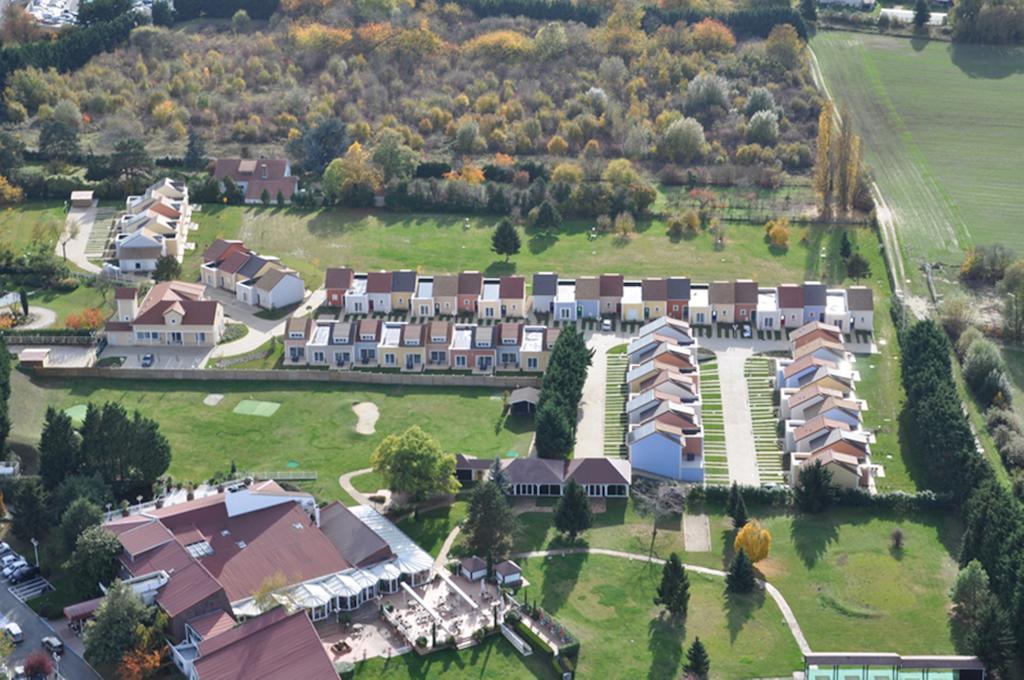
{"x": 24, "y": 574}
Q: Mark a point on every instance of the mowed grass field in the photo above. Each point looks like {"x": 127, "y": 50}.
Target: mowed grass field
{"x": 311, "y": 242}
{"x": 314, "y": 428}
{"x": 36, "y": 221}
{"x": 943, "y": 134}
{"x": 847, "y": 588}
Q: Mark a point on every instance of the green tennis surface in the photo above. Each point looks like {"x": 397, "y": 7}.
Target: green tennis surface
{"x": 76, "y": 413}
{"x": 251, "y": 407}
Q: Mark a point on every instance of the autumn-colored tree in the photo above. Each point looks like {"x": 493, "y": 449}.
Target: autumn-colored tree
{"x": 352, "y": 175}
{"x": 777, "y": 232}
{"x": 754, "y": 540}
{"x": 823, "y": 184}
{"x": 712, "y": 36}
{"x": 784, "y": 46}
{"x": 557, "y": 146}
{"x": 88, "y": 319}
{"x": 138, "y": 664}
{"x": 10, "y": 193}
{"x": 569, "y": 173}
{"x": 625, "y": 225}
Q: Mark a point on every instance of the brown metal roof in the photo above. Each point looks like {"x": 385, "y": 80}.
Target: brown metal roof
{"x": 219, "y": 248}
{"x": 595, "y": 471}
{"x": 512, "y": 287}
{"x": 125, "y": 293}
{"x": 746, "y": 292}
{"x": 791, "y": 296}
{"x": 470, "y": 283}
{"x": 860, "y": 299}
{"x": 338, "y": 277}
{"x": 611, "y": 285}
{"x": 722, "y": 293}
{"x": 378, "y": 282}
{"x": 188, "y": 586}
{"x": 588, "y": 288}
{"x": 212, "y": 624}
{"x": 446, "y": 285}
{"x": 655, "y": 289}
{"x": 355, "y": 541}
{"x": 272, "y": 646}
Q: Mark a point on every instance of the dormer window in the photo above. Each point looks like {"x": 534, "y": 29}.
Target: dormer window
{"x": 437, "y": 339}
{"x": 366, "y": 336}
{"x": 508, "y": 341}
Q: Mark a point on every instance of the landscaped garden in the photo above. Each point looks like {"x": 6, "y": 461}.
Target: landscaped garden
{"x": 847, "y": 586}
{"x": 716, "y": 464}
{"x": 759, "y": 373}
{"x": 314, "y": 428}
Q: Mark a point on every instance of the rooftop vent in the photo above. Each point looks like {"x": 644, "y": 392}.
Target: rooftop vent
{"x": 297, "y": 525}
{"x": 225, "y": 532}
{"x": 240, "y": 544}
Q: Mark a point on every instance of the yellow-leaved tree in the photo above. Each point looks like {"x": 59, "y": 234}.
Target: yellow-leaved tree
{"x": 754, "y": 540}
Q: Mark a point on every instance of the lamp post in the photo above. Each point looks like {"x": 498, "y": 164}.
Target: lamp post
{"x": 35, "y": 547}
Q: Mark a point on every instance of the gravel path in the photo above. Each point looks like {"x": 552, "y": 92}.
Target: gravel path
{"x": 739, "y": 434}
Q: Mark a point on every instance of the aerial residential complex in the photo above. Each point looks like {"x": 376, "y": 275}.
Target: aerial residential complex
{"x": 258, "y": 280}
{"x": 153, "y": 225}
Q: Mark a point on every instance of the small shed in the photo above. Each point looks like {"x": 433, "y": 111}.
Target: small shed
{"x": 523, "y": 401}
{"x": 34, "y": 357}
{"x": 81, "y": 199}
{"x": 473, "y": 568}
{"x": 508, "y": 573}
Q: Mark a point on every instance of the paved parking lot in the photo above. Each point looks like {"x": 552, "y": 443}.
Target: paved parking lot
{"x": 34, "y": 629}
{"x": 163, "y": 357}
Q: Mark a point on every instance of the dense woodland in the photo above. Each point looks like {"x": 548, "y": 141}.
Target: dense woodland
{"x": 685, "y": 99}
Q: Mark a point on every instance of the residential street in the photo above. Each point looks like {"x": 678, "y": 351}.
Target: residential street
{"x": 76, "y": 247}
{"x": 35, "y": 629}
{"x": 590, "y": 429}
{"x": 739, "y": 434}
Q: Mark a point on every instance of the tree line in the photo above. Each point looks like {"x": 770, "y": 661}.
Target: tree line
{"x": 70, "y": 49}
{"x": 560, "y": 395}
{"x": 994, "y": 520}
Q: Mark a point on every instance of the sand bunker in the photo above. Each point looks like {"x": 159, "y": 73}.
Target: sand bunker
{"x": 367, "y": 413}
{"x": 213, "y": 399}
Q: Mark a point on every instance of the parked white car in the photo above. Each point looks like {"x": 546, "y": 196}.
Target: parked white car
{"x": 13, "y": 567}
{"x": 9, "y": 558}
{"x": 14, "y": 631}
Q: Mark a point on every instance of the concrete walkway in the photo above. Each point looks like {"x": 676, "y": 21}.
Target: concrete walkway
{"x": 44, "y": 318}
{"x": 442, "y": 554}
{"x": 696, "y": 533}
{"x": 739, "y": 434}
{"x": 773, "y": 592}
{"x": 590, "y": 429}
{"x": 345, "y": 481}
{"x": 260, "y": 330}
{"x": 76, "y": 247}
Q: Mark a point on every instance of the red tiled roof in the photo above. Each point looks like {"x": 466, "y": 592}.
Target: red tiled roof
{"x": 252, "y": 172}
{"x": 193, "y": 313}
{"x": 125, "y": 293}
{"x": 791, "y": 296}
{"x": 269, "y": 647}
{"x": 234, "y": 261}
{"x": 611, "y": 285}
{"x": 816, "y": 424}
{"x": 114, "y": 326}
{"x": 804, "y": 362}
{"x": 220, "y": 248}
{"x": 655, "y": 289}
{"x": 470, "y": 283}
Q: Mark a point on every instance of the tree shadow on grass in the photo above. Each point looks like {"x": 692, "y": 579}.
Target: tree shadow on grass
{"x": 812, "y": 536}
{"x": 500, "y": 268}
{"x": 560, "y": 577}
{"x": 739, "y": 608}
{"x": 665, "y": 636}
{"x": 987, "y": 61}
{"x": 540, "y": 241}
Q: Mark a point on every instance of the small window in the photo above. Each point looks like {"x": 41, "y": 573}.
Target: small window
{"x": 690, "y": 457}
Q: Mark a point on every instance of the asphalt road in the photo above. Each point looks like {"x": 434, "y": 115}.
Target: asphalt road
{"x": 35, "y": 629}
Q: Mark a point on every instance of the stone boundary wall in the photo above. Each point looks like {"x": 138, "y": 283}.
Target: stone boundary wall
{"x": 292, "y": 375}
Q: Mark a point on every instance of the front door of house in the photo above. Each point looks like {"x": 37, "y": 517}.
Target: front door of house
{"x": 176, "y": 338}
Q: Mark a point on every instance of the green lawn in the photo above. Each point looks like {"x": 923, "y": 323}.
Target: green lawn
{"x": 607, "y": 603}
{"x": 430, "y": 528}
{"x": 313, "y": 429}
{"x": 311, "y": 242}
{"x": 35, "y": 221}
{"x": 1015, "y": 365}
{"x": 496, "y": 658}
{"x": 83, "y": 297}
{"x": 847, "y": 589}
{"x": 942, "y": 133}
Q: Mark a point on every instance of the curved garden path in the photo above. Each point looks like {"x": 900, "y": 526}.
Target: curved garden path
{"x": 773, "y": 592}
{"x": 442, "y": 556}
{"x": 345, "y": 481}
{"x": 44, "y": 318}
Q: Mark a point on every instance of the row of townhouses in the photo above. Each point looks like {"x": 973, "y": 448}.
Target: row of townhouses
{"x": 153, "y": 225}
{"x": 255, "y": 279}
{"x": 818, "y": 404}
{"x": 433, "y": 345}
{"x": 591, "y": 297}
{"x": 665, "y": 436}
